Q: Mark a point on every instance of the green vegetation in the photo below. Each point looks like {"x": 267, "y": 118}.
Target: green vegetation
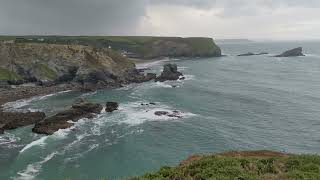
{"x": 138, "y": 46}
{"x": 6, "y": 74}
{"x": 293, "y": 167}
{"x": 45, "y": 71}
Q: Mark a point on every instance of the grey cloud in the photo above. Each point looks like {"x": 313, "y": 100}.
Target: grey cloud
{"x": 135, "y": 17}
{"x": 70, "y": 16}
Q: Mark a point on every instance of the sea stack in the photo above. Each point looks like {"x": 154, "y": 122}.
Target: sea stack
{"x": 292, "y": 53}
{"x": 170, "y": 73}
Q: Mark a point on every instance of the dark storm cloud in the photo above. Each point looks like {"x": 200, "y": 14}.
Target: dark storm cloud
{"x": 70, "y": 16}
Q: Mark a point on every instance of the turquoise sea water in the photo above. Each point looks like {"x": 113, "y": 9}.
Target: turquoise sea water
{"x": 228, "y": 103}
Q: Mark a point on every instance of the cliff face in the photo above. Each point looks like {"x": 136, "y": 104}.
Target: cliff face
{"x": 138, "y": 47}
{"x": 35, "y": 62}
{"x": 180, "y": 47}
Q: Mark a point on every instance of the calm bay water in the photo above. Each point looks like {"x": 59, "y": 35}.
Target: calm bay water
{"x": 228, "y": 103}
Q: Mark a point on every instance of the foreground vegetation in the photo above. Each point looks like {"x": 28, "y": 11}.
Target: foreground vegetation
{"x": 263, "y": 165}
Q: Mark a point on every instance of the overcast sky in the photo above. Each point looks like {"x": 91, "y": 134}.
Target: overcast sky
{"x": 252, "y": 19}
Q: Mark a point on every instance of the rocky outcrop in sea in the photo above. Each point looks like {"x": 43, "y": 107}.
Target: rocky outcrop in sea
{"x": 253, "y": 54}
{"x": 292, "y": 53}
{"x": 170, "y": 73}
{"x": 79, "y": 110}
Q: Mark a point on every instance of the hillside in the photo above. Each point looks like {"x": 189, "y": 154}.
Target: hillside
{"x": 253, "y": 165}
{"x": 144, "y": 47}
{"x": 54, "y": 63}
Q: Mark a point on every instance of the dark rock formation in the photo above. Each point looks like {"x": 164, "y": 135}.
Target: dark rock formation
{"x": 79, "y": 110}
{"x": 292, "y": 53}
{"x": 13, "y": 120}
{"x": 253, "y": 54}
{"x": 1, "y": 128}
{"x": 173, "y": 114}
{"x": 161, "y": 113}
{"x": 170, "y": 73}
{"x": 135, "y": 76}
{"x": 247, "y": 54}
{"x": 111, "y": 106}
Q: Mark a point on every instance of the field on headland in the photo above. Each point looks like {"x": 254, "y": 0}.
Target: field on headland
{"x": 146, "y": 47}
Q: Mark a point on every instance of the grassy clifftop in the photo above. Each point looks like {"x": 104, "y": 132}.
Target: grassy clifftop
{"x": 145, "y": 47}
{"x": 264, "y": 165}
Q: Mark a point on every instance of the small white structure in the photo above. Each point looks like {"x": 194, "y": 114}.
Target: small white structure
{"x": 7, "y": 42}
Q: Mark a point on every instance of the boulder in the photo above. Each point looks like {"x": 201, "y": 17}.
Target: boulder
{"x": 79, "y": 110}
{"x": 161, "y": 113}
{"x": 170, "y": 73}
{"x": 173, "y": 114}
{"x": 13, "y": 120}
{"x": 292, "y": 53}
{"x": 111, "y": 106}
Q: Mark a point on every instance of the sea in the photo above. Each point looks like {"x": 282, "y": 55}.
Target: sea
{"x": 226, "y": 103}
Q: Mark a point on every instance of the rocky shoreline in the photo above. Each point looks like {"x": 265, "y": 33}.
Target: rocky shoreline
{"x": 79, "y": 110}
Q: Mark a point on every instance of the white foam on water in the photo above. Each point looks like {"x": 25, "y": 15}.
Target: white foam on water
{"x": 313, "y": 55}
{"x": 33, "y": 169}
{"x": 39, "y": 142}
{"x": 17, "y": 106}
{"x": 9, "y": 140}
{"x": 188, "y": 77}
{"x": 60, "y": 134}
{"x": 151, "y": 63}
{"x": 88, "y": 94}
{"x": 135, "y": 114}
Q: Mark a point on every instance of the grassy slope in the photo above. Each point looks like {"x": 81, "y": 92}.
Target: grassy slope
{"x": 242, "y": 166}
{"x": 6, "y": 74}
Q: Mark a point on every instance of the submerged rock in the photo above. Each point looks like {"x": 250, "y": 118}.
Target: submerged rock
{"x": 161, "y": 113}
{"x": 253, "y": 54}
{"x": 79, "y": 110}
{"x": 111, "y": 106}
{"x": 247, "y": 54}
{"x": 292, "y": 53}
{"x": 170, "y": 73}
{"x": 13, "y": 120}
{"x": 173, "y": 114}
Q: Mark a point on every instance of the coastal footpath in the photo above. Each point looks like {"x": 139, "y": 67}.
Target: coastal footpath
{"x": 243, "y": 165}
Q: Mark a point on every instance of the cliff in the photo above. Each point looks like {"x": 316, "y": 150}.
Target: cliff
{"x": 53, "y": 63}
{"x": 144, "y": 47}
